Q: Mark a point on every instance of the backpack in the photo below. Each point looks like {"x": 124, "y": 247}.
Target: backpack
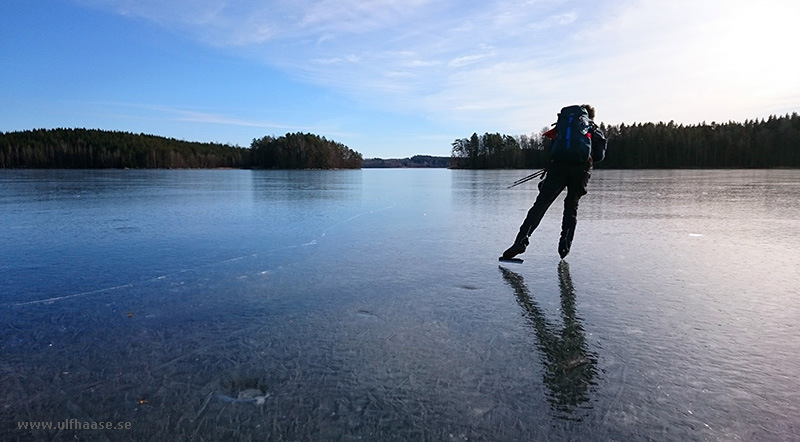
{"x": 573, "y": 143}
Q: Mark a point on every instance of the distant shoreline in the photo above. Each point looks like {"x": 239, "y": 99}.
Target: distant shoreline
{"x": 416, "y": 162}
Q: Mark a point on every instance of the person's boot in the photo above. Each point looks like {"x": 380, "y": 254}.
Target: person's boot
{"x": 565, "y": 243}
{"x": 516, "y": 249}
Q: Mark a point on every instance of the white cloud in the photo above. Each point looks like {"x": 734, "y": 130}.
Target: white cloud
{"x": 214, "y": 118}
{"x": 356, "y": 16}
{"x": 512, "y": 63}
{"x": 466, "y": 60}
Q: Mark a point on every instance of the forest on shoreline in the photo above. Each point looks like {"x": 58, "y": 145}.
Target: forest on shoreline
{"x": 99, "y": 149}
{"x": 770, "y": 143}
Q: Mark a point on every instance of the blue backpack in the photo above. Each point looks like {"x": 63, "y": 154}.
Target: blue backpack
{"x": 573, "y": 143}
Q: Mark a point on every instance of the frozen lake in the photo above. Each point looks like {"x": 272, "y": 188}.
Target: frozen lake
{"x": 370, "y": 305}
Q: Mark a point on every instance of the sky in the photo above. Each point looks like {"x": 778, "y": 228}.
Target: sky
{"x": 390, "y": 78}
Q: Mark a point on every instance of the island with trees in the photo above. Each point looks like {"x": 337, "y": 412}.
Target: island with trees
{"x": 302, "y": 151}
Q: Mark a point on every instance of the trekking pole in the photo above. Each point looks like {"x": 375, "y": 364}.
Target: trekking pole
{"x": 536, "y": 174}
{"x": 533, "y": 175}
{"x": 526, "y": 179}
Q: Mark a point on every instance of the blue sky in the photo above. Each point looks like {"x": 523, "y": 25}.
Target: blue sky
{"x": 389, "y": 78}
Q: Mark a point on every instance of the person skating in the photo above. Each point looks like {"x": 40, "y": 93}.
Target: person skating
{"x": 578, "y": 144}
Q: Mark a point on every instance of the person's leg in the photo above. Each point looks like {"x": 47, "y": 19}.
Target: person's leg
{"x": 576, "y": 188}
{"x": 550, "y": 188}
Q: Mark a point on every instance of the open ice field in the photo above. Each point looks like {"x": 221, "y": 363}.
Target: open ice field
{"x": 370, "y": 305}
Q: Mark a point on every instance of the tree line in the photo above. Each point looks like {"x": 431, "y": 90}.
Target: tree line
{"x": 99, "y": 149}
{"x": 770, "y": 143}
{"x": 496, "y": 151}
{"x": 303, "y": 151}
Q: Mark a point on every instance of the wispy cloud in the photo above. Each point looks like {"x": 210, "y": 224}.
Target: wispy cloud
{"x": 214, "y": 118}
{"x": 354, "y": 16}
{"x": 467, "y": 60}
{"x": 513, "y": 61}
{"x": 161, "y": 112}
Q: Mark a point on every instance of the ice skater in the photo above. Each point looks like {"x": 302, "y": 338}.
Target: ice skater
{"x": 577, "y": 144}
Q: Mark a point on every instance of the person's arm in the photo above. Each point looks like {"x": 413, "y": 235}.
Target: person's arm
{"x": 599, "y": 144}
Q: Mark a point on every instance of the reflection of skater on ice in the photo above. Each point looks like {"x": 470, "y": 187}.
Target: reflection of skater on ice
{"x": 570, "y": 367}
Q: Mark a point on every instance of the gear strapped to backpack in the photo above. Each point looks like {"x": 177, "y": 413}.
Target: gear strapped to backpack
{"x": 573, "y": 142}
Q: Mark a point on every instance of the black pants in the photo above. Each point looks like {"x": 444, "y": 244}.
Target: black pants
{"x": 573, "y": 177}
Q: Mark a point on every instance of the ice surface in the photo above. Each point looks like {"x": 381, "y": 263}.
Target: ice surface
{"x": 370, "y": 304}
